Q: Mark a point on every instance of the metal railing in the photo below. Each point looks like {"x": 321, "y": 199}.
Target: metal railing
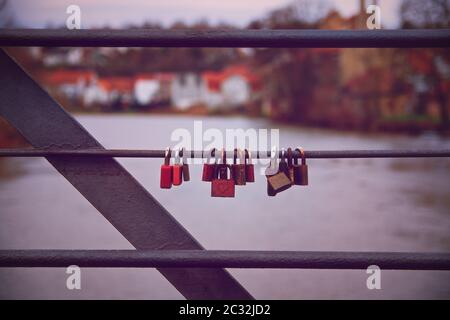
{"x": 317, "y": 154}
{"x": 161, "y": 241}
{"x": 224, "y": 259}
{"x": 227, "y": 38}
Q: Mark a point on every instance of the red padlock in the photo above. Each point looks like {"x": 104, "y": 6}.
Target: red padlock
{"x": 209, "y": 168}
{"x": 249, "y": 167}
{"x": 166, "y": 172}
{"x": 177, "y": 170}
{"x": 223, "y": 187}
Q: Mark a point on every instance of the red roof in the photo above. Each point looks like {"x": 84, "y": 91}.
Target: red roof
{"x": 244, "y": 72}
{"x": 120, "y": 84}
{"x": 59, "y": 77}
{"x": 214, "y": 79}
{"x": 159, "y": 76}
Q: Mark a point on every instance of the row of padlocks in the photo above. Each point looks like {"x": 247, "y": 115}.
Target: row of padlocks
{"x": 281, "y": 174}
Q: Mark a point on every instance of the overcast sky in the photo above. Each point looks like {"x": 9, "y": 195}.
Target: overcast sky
{"x": 116, "y": 13}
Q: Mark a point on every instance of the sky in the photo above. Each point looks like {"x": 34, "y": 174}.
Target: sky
{"x": 117, "y": 13}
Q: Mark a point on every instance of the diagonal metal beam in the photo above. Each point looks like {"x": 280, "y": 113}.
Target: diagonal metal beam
{"x": 110, "y": 188}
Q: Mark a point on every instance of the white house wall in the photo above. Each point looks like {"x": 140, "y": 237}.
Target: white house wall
{"x": 186, "y": 91}
{"x": 236, "y": 91}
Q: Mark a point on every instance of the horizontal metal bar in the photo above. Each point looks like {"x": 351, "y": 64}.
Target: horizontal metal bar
{"x": 129, "y": 153}
{"x": 226, "y": 38}
{"x": 224, "y": 259}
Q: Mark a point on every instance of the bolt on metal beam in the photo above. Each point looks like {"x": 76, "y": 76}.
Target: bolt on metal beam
{"x": 319, "y": 154}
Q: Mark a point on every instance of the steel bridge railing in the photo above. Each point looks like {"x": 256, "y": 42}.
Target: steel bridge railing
{"x": 227, "y": 38}
{"x": 317, "y": 154}
{"x": 224, "y": 259}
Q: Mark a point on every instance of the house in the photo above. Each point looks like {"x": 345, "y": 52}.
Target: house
{"x": 71, "y": 83}
{"x": 146, "y": 88}
{"x": 211, "y": 93}
{"x": 239, "y": 85}
{"x": 232, "y": 87}
{"x": 63, "y": 57}
{"x": 186, "y": 90}
{"x": 116, "y": 90}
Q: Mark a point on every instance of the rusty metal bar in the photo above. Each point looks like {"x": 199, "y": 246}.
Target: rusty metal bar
{"x": 110, "y": 188}
{"x": 128, "y": 153}
{"x": 224, "y": 259}
{"x": 227, "y": 38}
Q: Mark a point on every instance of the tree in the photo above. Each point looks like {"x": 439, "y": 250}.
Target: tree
{"x": 425, "y": 14}
{"x": 6, "y": 16}
{"x": 297, "y": 15}
{"x": 432, "y": 14}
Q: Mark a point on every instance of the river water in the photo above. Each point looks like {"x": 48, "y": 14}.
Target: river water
{"x": 350, "y": 205}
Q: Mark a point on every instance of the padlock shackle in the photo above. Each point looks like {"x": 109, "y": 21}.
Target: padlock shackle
{"x": 211, "y": 153}
{"x": 177, "y": 157}
{"x": 224, "y": 156}
{"x": 289, "y": 157}
{"x": 302, "y": 155}
{"x": 184, "y": 155}
{"x": 167, "y": 156}
{"x": 273, "y": 165}
{"x": 220, "y": 166}
{"x": 283, "y": 155}
{"x": 241, "y": 154}
{"x": 235, "y": 155}
{"x": 248, "y": 156}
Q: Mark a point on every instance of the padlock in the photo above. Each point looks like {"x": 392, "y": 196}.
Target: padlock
{"x": 290, "y": 165}
{"x": 223, "y": 186}
{"x": 177, "y": 170}
{"x": 186, "y": 173}
{"x": 300, "y": 171}
{"x": 223, "y": 171}
{"x": 166, "y": 172}
{"x": 249, "y": 167}
{"x": 239, "y": 169}
{"x": 272, "y": 169}
{"x": 209, "y": 168}
{"x": 279, "y": 181}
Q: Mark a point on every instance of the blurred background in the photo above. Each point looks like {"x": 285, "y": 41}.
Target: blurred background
{"x": 318, "y": 98}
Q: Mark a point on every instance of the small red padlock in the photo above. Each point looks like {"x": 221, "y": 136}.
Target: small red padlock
{"x": 249, "y": 167}
{"x": 209, "y": 168}
{"x": 166, "y": 172}
{"x": 177, "y": 170}
{"x": 300, "y": 170}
